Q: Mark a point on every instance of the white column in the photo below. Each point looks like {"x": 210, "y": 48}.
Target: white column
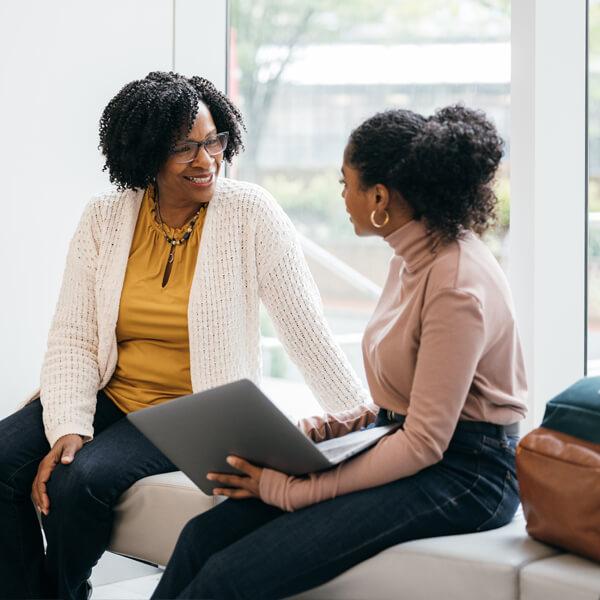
{"x": 200, "y": 36}
{"x": 548, "y": 183}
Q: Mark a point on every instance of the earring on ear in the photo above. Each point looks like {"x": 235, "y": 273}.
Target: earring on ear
{"x": 386, "y": 220}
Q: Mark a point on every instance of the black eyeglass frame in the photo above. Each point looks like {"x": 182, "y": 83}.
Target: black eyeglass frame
{"x": 223, "y": 138}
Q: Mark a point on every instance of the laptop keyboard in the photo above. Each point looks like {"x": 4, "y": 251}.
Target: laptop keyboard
{"x": 338, "y": 448}
{"x": 334, "y": 453}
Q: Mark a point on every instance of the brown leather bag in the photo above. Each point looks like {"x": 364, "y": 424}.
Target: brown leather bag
{"x": 559, "y": 472}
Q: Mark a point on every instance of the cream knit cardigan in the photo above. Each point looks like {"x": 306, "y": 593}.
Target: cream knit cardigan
{"x": 249, "y": 252}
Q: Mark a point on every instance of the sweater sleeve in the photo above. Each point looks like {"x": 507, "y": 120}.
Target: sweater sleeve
{"x": 333, "y": 425}
{"x": 452, "y": 341}
{"x": 293, "y": 302}
{"x": 288, "y": 291}
{"x": 69, "y": 377}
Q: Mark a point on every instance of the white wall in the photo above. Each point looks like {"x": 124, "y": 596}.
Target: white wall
{"x": 60, "y": 62}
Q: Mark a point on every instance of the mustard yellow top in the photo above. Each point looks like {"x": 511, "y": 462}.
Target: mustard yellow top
{"x": 153, "y": 364}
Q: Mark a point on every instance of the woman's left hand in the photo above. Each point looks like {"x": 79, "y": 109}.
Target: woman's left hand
{"x": 241, "y": 486}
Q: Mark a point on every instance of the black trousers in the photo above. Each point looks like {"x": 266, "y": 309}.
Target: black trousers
{"x": 82, "y": 496}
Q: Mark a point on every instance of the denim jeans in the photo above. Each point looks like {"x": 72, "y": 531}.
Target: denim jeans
{"x": 81, "y": 494}
{"x": 247, "y": 549}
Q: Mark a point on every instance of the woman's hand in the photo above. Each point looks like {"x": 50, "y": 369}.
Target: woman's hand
{"x": 242, "y": 486}
{"x": 63, "y": 451}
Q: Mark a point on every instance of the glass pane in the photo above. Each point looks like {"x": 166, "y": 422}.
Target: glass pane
{"x": 306, "y": 73}
{"x": 594, "y": 190}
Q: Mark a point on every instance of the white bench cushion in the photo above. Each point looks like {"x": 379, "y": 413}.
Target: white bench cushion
{"x": 560, "y": 578}
{"x": 480, "y": 565}
{"x": 151, "y": 514}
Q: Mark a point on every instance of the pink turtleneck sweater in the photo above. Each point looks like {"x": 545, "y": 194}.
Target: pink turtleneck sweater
{"x": 442, "y": 345}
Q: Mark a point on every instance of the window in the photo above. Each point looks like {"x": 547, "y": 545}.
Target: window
{"x": 593, "y": 298}
{"x": 306, "y": 73}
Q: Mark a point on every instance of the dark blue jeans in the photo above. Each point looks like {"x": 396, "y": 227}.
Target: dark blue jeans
{"x": 247, "y": 549}
{"x": 81, "y": 494}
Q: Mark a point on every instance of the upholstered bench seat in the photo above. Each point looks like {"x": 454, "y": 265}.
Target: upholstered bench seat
{"x": 564, "y": 577}
{"x": 480, "y": 565}
{"x": 505, "y": 564}
{"x": 486, "y": 565}
{"x": 151, "y": 514}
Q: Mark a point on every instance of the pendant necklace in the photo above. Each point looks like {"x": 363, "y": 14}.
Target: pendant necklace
{"x": 173, "y": 241}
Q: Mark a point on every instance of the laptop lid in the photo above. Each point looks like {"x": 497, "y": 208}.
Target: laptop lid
{"x": 199, "y": 431}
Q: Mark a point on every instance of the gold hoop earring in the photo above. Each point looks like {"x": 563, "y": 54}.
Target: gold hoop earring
{"x": 386, "y": 220}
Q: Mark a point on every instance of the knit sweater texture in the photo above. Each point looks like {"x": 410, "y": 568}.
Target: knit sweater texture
{"x": 249, "y": 252}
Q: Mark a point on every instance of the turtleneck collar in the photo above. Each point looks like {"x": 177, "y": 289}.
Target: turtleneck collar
{"x": 413, "y": 243}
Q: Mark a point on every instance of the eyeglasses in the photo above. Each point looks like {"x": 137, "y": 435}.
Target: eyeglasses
{"x": 185, "y": 152}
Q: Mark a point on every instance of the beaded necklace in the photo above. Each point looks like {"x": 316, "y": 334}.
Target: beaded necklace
{"x": 173, "y": 241}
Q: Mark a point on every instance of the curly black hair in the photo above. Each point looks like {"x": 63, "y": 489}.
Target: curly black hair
{"x": 443, "y": 165}
{"x": 142, "y": 122}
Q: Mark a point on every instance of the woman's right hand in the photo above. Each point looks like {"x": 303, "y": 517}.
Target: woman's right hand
{"x": 63, "y": 451}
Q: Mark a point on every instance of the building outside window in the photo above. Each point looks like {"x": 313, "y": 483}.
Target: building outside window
{"x": 593, "y": 297}
{"x": 306, "y": 73}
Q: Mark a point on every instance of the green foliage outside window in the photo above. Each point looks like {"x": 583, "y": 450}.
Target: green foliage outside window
{"x": 266, "y": 37}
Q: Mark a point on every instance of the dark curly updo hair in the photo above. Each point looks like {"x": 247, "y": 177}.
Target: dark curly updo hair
{"x": 142, "y": 122}
{"x": 443, "y": 165}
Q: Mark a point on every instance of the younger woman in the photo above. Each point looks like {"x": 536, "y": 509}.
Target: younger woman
{"x": 442, "y": 357}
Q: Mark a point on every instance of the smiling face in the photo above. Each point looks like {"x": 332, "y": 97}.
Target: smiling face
{"x": 192, "y": 182}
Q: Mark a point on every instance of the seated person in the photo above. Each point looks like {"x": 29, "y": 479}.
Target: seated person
{"x": 160, "y": 299}
{"x": 443, "y": 358}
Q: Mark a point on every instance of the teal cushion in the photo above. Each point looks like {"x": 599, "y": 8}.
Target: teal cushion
{"x": 576, "y": 411}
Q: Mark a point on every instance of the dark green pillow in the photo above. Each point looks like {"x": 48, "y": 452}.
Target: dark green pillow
{"x": 576, "y": 411}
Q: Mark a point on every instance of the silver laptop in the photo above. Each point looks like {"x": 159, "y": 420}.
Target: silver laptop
{"x": 199, "y": 431}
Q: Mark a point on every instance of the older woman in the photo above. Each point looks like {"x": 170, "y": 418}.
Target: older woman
{"x": 160, "y": 298}
{"x": 443, "y": 358}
